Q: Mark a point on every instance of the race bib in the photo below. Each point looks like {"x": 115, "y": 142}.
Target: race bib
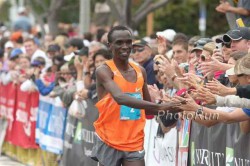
{"x": 128, "y": 113}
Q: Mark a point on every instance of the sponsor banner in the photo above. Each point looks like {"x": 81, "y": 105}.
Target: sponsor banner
{"x": 159, "y": 151}
{"x": 183, "y": 137}
{"x": 222, "y": 144}
{"x": 79, "y": 138}
{"x": 23, "y": 131}
{"x": 9, "y": 108}
{"x": 50, "y": 125}
{"x": 3, "y": 100}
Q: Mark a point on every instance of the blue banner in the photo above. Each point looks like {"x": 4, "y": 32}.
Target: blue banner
{"x": 50, "y": 126}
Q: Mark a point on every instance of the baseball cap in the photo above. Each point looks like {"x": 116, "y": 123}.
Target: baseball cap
{"x": 53, "y": 48}
{"x": 21, "y": 9}
{"x": 230, "y": 72}
{"x": 83, "y": 51}
{"x": 139, "y": 42}
{"x": 15, "y": 53}
{"x": 75, "y": 42}
{"x": 237, "y": 34}
{"x": 242, "y": 66}
{"x": 200, "y": 43}
{"x": 8, "y": 44}
{"x": 15, "y": 36}
{"x": 167, "y": 34}
{"x": 36, "y": 63}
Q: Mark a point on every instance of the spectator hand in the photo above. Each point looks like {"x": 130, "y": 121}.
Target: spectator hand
{"x": 162, "y": 47}
{"x": 192, "y": 64}
{"x": 154, "y": 92}
{"x": 78, "y": 63}
{"x": 191, "y": 80}
{"x": 206, "y": 96}
{"x": 189, "y": 105}
{"x": 211, "y": 66}
{"x": 217, "y": 88}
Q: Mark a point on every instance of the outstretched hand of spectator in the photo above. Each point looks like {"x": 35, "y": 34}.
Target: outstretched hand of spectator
{"x": 210, "y": 67}
{"x": 217, "y": 88}
{"x": 192, "y": 65}
{"x": 191, "y": 80}
{"x": 204, "y": 95}
{"x": 189, "y": 105}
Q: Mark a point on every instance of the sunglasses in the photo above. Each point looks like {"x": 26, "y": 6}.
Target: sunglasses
{"x": 240, "y": 75}
{"x": 140, "y": 49}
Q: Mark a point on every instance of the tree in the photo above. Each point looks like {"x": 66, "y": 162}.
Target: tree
{"x": 122, "y": 10}
{"x": 50, "y": 11}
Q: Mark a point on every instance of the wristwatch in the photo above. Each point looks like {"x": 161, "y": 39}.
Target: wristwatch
{"x": 199, "y": 110}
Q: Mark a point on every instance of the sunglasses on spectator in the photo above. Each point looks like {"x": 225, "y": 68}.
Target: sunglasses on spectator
{"x": 140, "y": 49}
{"x": 240, "y": 75}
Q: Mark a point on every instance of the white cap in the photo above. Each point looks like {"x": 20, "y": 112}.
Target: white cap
{"x": 9, "y": 44}
{"x": 167, "y": 34}
{"x": 67, "y": 58}
{"x": 21, "y": 9}
{"x": 230, "y": 72}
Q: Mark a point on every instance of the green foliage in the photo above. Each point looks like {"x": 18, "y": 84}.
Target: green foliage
{"x": 4, "y": 16}
{"x": 183, "y": 16}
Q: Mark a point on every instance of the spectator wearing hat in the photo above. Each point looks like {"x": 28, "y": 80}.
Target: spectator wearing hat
{"x": 191, "y": 44}
{"x": 242, "y": 9}
{"x": 239, "y": 38}
{"x": 165, "y": 39}
{"x": 15, "y": 55}
{"x": 223, "y": 48}
{"x": 17, "y": 39}
{"x": 73, "y": 44}
{"x": 142, "y": 54}
{"x": 196, "y": 53}
{"x": 53, "y": 50}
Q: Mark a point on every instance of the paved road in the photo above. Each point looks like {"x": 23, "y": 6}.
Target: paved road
{"x": 6, "y": 161}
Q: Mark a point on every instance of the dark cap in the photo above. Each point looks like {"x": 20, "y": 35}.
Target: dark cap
{"x": 15, "y": 53}
{"x": 53, "y": 48}
{"x": 140, "y": 42}
{"x": 75, "y": 42}
{"x": 237, "y": 34}
{"x": 200, "y": 43}
{"x": 83, "y": 51}
{"x": 36, "y": 63}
